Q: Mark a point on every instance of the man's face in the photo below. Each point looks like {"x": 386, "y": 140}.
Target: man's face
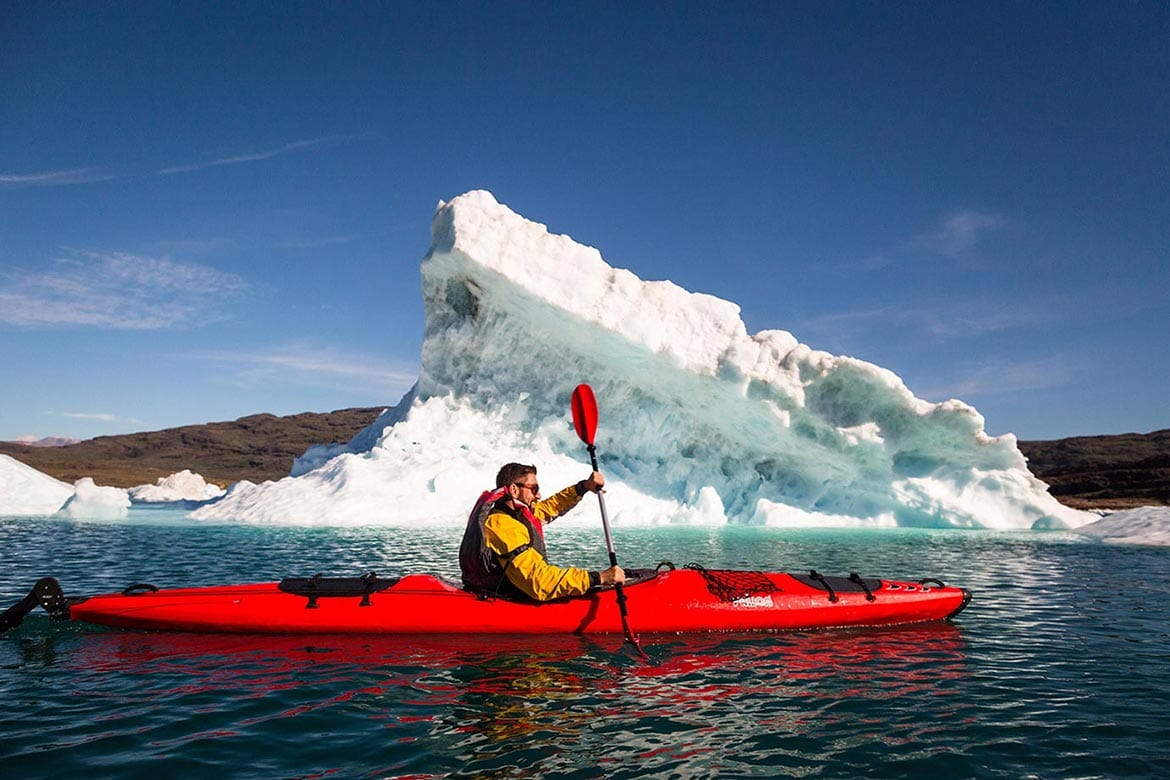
{"x": 527, "y": 489}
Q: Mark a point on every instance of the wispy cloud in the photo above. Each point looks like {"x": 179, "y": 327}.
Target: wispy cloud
{"x": 55, "y": 178}
{"x": 1010, "y": 376}
{"x": 99, "y": 416}
{"x": 116, "y": 290}
{"x": 955, "y": 236}
{"x": 267, "y": 154}
{"x": 190, "y": 246}
{"x": 944, "y": 321}
{"x": 315, "y": 366}
{"x": 314, "y": 243}
{"x": 958, "y": 233}
{"x": 104, "y": 417}
{"x": 89, "y": 416}
{"x": 831, "y": 321}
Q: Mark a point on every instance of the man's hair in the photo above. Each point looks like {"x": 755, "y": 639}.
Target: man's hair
{"x": 513, "y": 472}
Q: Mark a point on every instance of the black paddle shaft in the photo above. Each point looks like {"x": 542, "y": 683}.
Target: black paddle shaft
{"x": 619, "y": 591}
{"x": 605, "y": 523}
{"x": 585, "y": 421}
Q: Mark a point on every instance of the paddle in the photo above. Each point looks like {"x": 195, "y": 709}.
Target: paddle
{"x": 584, "y": 407}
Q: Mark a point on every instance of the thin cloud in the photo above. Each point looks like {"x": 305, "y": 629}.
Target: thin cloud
{"x": 89, "y": 416}
{"x": 959, "y": 233}
{"x": 317, "y": 366}
{"x": 55, "y": 178}
{"x": 267, "y": 154}
{"x": 1010, "y": 377}
{"x": 953, "y": 320}
{"x": 116, "y": 290}
{"x": 105, "y": 417}
{"x": 315, "y": 243}
{"x": 955, "y": 237}
{"x": 875, "y": 262}
{"x": 193, "y": 246}
{"x": 843, "y": 319}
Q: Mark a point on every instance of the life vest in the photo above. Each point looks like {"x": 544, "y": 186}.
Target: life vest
{"x": 482, "y": 568}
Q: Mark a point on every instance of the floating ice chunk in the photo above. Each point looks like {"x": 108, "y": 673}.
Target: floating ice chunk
{"x": 26, "y": 491}
{"x": 1144, "y": 525}
{"x": 180, "y": 486}
{"x": 94, "y": 502}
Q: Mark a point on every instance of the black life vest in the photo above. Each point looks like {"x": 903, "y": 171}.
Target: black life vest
{"x": 482, "y": 569}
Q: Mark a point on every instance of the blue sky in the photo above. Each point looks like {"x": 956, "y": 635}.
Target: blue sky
{"x": 214, "y": 210}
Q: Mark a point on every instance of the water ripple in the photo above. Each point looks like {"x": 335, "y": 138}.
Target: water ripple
{"x": 1059, "y": 668}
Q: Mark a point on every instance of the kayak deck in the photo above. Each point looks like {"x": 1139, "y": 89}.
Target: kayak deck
{"x": 674, "y": 601}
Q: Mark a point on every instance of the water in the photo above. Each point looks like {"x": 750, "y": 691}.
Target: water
{"x": 1059, "y": 668}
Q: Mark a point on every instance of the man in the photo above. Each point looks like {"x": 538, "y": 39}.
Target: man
{"x": 503, "y": 547}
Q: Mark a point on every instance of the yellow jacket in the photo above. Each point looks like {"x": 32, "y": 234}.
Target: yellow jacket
{"x": 529, "y": 571}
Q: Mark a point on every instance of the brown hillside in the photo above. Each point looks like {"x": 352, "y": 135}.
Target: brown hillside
{"x": 1108, "y": 472}
{"x": 256, "y": 448}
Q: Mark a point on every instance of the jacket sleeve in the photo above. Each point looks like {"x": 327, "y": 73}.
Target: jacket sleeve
{"x": 556, "y": 505}
{"x": 529, "y": 571}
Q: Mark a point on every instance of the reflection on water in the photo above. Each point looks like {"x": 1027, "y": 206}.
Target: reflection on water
{"x": 494, "y": 705}
{"x": 1060, "y": 667}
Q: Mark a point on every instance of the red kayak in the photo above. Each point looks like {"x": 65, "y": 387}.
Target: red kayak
{"x": 686, "y": 600}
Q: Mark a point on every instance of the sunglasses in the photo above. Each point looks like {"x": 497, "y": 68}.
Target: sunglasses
{"x": 534, "y": 487}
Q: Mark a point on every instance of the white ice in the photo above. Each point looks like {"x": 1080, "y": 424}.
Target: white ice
{"x": 1144, "y": 525}
{"x": 180, "y": 486}
{"x": 95, "y": 502}
{"x": 26, "y": 491}
{"x": 701, "y": 422}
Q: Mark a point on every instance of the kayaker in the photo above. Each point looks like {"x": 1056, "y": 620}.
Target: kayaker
{"x": 503, "y": 548}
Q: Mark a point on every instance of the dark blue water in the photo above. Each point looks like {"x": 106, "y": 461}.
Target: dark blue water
{"x": 1059, "y": 668}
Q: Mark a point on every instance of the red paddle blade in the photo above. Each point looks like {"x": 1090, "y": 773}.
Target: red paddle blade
{"x": 584, "y": 413}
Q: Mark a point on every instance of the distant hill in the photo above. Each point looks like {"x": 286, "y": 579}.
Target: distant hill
{"x": 1113, "y": 472}
{"x": 1110, "y": 472}
{"x": 256, "y": 448}
{"x": 49, "y": 441}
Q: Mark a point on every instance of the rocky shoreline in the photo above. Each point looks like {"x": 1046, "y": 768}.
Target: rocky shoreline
{"x": 1084, "y": 472}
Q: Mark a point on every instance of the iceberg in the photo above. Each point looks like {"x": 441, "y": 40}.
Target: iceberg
{"x": 1143, "y": 525}
{"x": 701, "y": 422}
{"x": 95, "y": 502}
{"x": 181, "y": 486}
{"x": 26, "y": 491}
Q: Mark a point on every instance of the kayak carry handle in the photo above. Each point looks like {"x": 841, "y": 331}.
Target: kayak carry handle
{"x": 140, "y": 588}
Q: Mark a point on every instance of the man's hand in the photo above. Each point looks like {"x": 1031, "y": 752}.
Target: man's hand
{"x": 595, "y": 482}
{"x": 613, "y": 575}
